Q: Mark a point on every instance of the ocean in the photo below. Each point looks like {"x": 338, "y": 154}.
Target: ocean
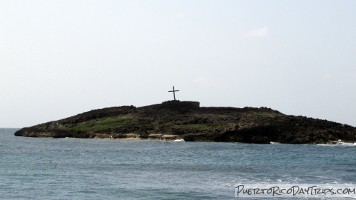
{"x": 47, "y": 168}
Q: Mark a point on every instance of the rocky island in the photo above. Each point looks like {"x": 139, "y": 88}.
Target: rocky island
{"x": 187, "y": 120}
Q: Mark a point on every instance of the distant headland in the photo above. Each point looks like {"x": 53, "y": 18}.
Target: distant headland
{"x": 186, "y": 120}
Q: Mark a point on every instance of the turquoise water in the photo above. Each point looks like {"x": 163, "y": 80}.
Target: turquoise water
{"x": 44, "y": 168}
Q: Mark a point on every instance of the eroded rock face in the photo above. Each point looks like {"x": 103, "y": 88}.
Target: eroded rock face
{"x": 181, "y": 119}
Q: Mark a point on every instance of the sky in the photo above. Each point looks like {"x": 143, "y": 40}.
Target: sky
{"x": 63, "y": 57}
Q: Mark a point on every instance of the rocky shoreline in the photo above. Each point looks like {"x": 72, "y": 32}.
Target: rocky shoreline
{"x": 135, "y": 136}
{"x": 186, "y": 120}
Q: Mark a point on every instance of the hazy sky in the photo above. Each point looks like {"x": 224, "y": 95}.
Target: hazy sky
{"x": 62, "y": 57}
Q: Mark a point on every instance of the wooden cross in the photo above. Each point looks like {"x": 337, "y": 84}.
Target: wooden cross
{"x": 174, "y": 93}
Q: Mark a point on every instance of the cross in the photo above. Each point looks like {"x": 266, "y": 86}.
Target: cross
{"x": 174, "y": 93}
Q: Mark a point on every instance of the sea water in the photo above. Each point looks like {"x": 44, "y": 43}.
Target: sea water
{"x": 46, "y": 168}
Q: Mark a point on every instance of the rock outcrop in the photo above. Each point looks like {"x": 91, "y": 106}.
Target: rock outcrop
{"x": 188, "y": 121}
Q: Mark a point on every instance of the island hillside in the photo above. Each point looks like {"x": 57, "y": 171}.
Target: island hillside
{"x": 187, "y": 120}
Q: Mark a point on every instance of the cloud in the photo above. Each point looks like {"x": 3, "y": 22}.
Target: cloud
{"x": 205, "y": 81}
{"x": 257, "y": 33}
{"x": 202, "y": 80}
{"x": 327, "y": 75}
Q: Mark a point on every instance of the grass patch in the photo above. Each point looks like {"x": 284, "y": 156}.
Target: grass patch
{"x": 110, "y": 124}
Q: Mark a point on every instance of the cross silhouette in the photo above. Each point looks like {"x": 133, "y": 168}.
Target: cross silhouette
{"x": 174, "y": 93}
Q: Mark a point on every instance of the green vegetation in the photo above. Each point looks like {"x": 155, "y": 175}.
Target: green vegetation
{"x": 108, "y": 124}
